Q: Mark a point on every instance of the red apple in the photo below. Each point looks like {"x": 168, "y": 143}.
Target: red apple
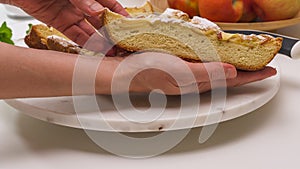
{"x": 188, "y": 6}
{"x": 270, "y": 10}
{"x": 221, "y": 10}
{"x": 248, "y": 11}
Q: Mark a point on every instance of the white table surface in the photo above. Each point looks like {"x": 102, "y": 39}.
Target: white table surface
{"x": 266, "y": 138}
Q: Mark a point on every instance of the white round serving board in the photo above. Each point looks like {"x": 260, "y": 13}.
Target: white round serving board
{"x": 60, "y": 110}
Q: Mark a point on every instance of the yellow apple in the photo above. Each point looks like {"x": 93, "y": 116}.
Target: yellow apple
{"x": 271, "y": 10}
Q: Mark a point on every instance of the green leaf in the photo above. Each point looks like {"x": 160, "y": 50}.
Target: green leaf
{"x": 5, "y": 34}
{"x": 29, "y": 29}
{"x": 6, "y": 40}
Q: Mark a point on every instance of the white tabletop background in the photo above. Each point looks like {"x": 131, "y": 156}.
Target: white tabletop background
{"x": 266, "y": 138}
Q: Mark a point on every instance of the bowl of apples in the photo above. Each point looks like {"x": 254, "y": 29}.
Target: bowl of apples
{"x": 239, "y": 14}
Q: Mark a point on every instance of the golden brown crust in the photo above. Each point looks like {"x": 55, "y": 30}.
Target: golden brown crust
{"x": 146, "y": 9}
{"x": 39, "y": 37}
{"x": 33, "y": 39}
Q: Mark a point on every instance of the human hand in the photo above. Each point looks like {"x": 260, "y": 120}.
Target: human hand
{"x": 70, "y": 16}
{"x": 150, "y": 71}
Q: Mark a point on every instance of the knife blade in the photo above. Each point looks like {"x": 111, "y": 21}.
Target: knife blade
{"x": 290, "y": 45}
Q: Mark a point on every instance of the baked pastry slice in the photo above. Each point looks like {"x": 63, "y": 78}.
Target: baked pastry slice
{"x": 44, "y": 37}
{"x": 195, "y": 39}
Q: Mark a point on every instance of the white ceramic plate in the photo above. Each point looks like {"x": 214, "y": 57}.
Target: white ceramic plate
{"x": 60, "y": 110}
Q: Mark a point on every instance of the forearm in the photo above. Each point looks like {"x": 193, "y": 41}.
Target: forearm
{"x": 40, "y": 73}
{"x": 33, "y": 73}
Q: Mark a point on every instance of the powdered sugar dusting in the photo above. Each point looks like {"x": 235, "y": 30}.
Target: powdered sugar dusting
{"x": 177, "y": 16}
{"x": 173, "y": 12}
{"x": 62, "y": 41}
{"x": 203, "y": 23}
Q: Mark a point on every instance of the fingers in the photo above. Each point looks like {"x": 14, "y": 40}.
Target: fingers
{"x": 95, "y": 21}
{"x": 80, "y": 32}
{"x": 94, "y": 8}
{"x": 248, "y": 77}
{"x": 242, "y": 78}
{"x": 89, "y": 7}
{"x": 205, "y": 72}
{"x": 85, "y": 35}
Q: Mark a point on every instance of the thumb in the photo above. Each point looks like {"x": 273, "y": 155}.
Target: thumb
{"x": 94, "y": 8}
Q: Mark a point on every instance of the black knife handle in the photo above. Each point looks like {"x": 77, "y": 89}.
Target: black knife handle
{"x": 287, "y": 43}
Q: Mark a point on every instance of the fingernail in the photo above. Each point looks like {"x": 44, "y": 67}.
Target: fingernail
{"x": 96, "y": 7}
